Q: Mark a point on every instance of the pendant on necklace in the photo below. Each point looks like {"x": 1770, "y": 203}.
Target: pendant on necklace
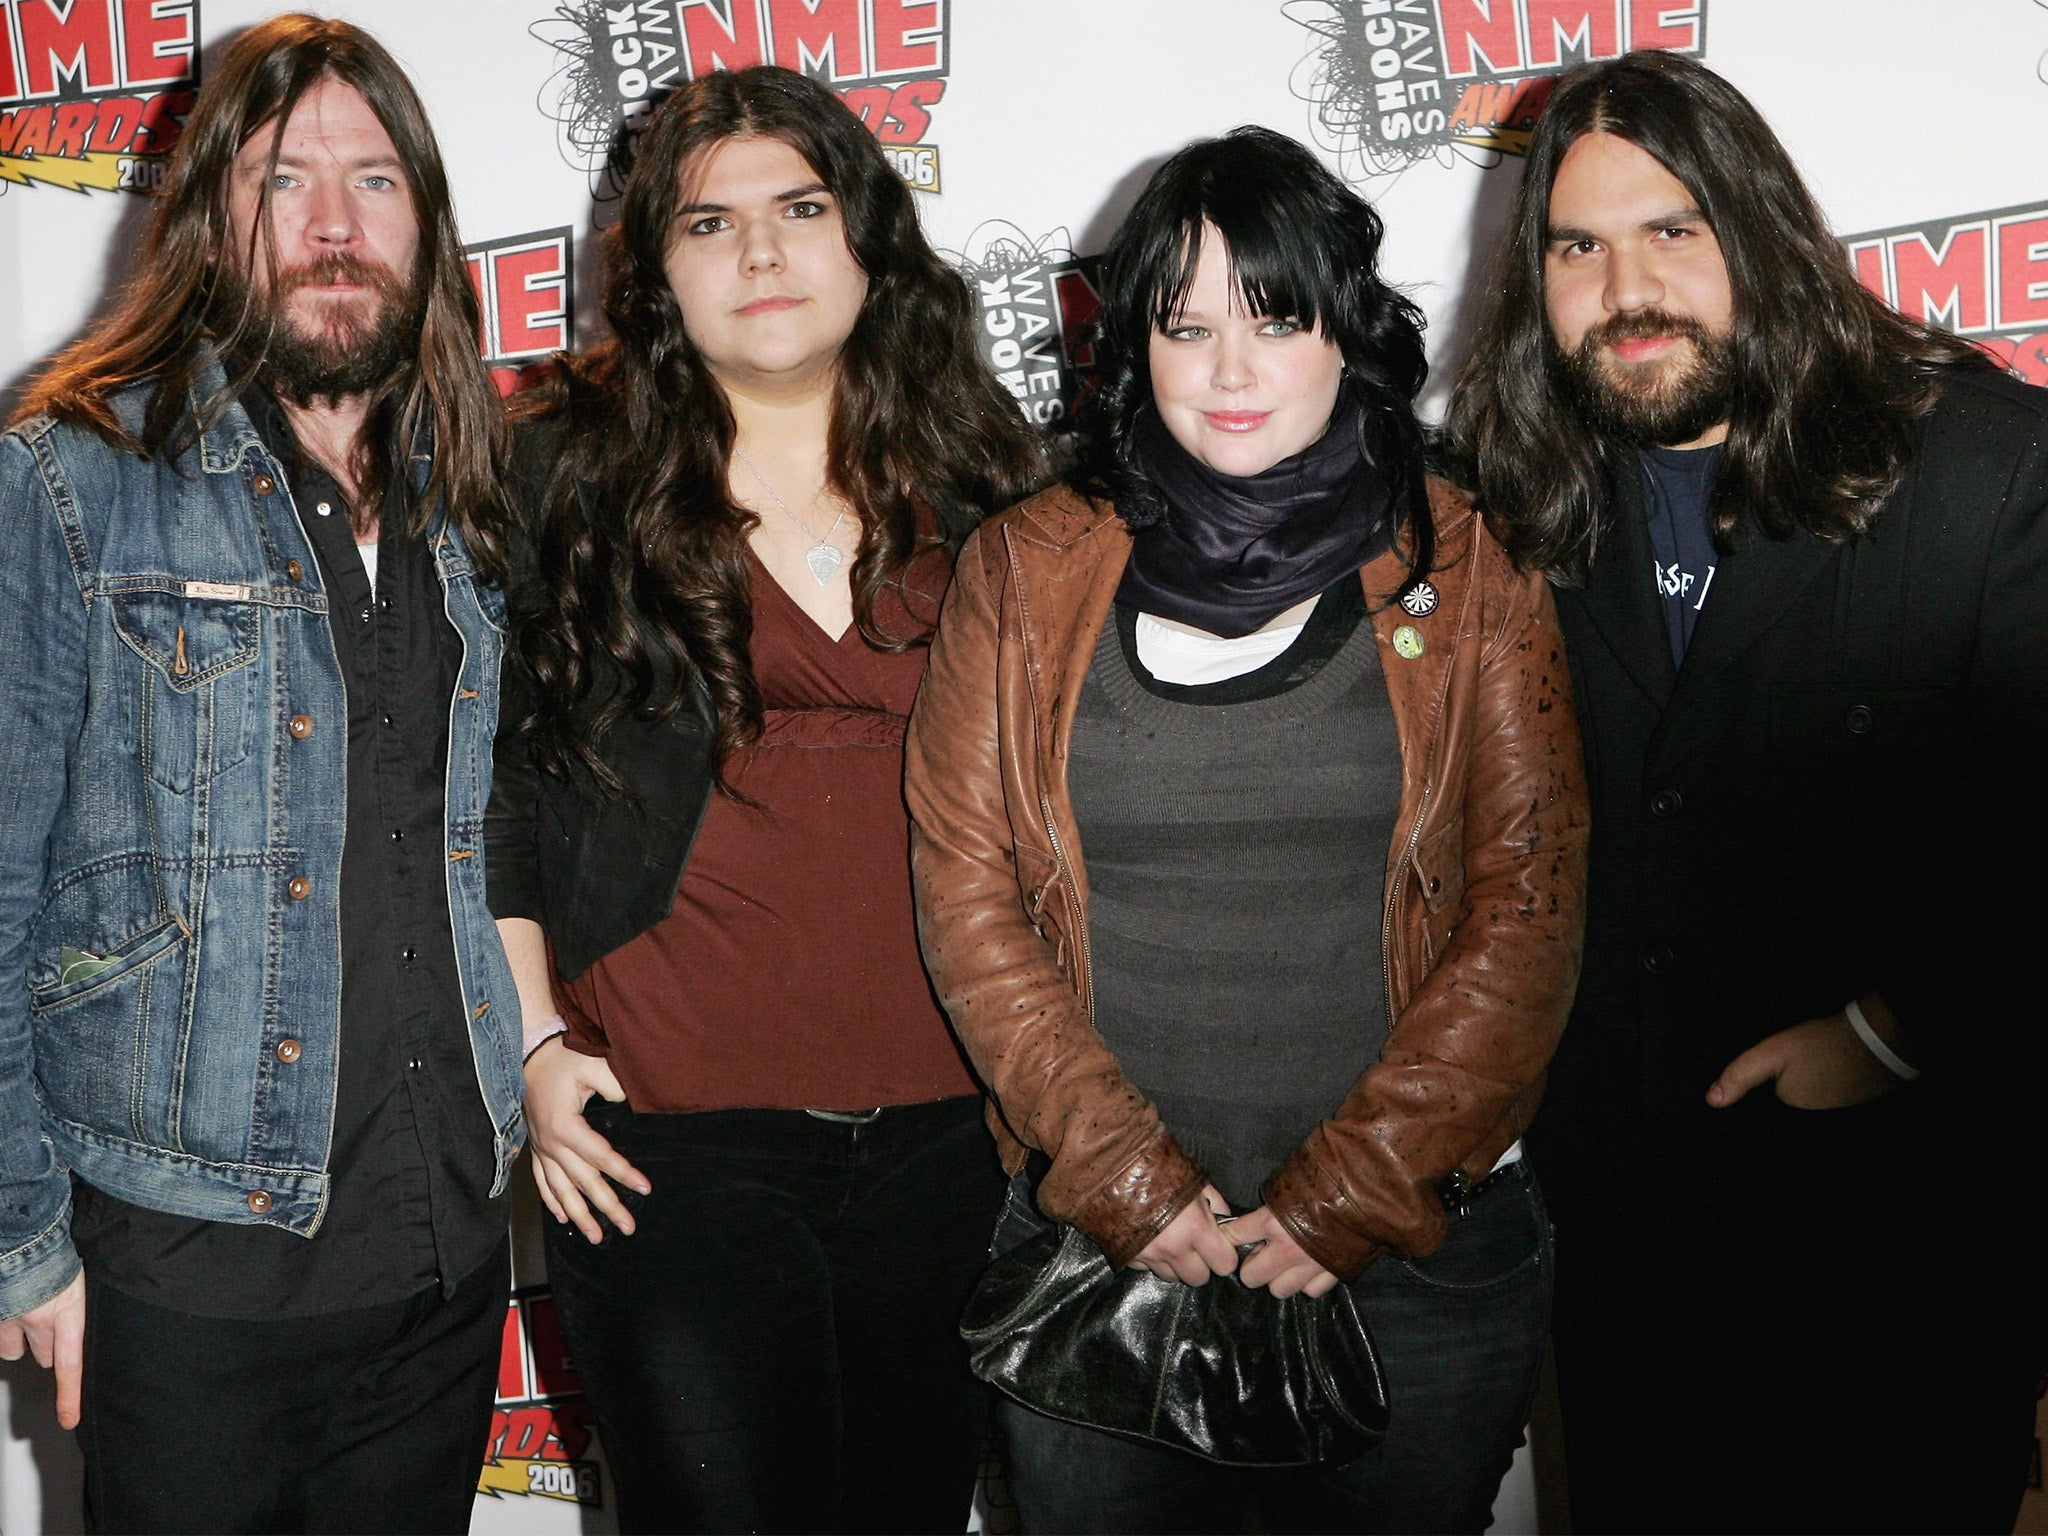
{"x": 824, "y": 560}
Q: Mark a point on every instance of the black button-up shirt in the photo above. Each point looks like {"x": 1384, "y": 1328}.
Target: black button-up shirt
{"x": 412, "y": 1156}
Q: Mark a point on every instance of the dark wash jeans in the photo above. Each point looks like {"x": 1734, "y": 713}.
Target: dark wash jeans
{"x": 373, "y": 1419}
{"x": 1460, "y": 1337}
{"x": 776, "y": 1348}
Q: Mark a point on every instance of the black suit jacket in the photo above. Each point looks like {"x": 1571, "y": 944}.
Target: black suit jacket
{"x": 1838, "y": 791}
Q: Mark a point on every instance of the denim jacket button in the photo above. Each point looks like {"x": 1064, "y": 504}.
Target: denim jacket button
{"x": 301, "y": 726}
{"x": 298, "y": 887}
{"x": 296, "y": 571}
{"x": 259, "y": 1201}
{"x": 263, "y": 485}
{"x": 289, "y": 1051}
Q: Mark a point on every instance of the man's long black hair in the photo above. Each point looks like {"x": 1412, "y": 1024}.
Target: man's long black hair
{"x": 1829, "y": 381}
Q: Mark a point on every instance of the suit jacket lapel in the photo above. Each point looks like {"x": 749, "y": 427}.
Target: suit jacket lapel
{"x": 1622, "y": 602}
{"x": 1754, "y": 586}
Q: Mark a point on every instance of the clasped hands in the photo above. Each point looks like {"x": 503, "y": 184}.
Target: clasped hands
{"x": 1204, "y": 1239}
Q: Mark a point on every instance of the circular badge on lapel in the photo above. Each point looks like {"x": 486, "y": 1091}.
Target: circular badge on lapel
{"x": 1408, "y": 641}
{"x": 1420, "y": 600}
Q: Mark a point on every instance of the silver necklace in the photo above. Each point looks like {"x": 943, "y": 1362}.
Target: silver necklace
{"x": 823, "y": 557}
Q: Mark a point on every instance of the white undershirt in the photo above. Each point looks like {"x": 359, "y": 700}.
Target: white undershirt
{"x": 369, "y": 554}
{"x": 1175, "y": 654}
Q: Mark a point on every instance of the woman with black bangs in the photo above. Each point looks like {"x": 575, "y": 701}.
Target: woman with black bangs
{"x": 742, "y": 514}
{"x": 1249, "y": 835}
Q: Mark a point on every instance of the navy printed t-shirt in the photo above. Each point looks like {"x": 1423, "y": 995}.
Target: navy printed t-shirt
{"x": 1678, "y": 489}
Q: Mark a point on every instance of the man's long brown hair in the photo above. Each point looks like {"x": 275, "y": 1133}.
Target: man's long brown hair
{"x": 1829, "y": 381}
{"x": 174, "y": 306}
{"x": 641, "y": 554}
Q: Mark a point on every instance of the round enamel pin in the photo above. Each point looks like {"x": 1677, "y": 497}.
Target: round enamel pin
{"x": 1420, "y": 600}
{"x": 1408, "y": 641}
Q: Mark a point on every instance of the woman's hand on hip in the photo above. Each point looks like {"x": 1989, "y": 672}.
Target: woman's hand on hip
{"x": 1280, "y": 1265}
{"x": 572, "y": 1164}
{"x": 1192, "y": 1247}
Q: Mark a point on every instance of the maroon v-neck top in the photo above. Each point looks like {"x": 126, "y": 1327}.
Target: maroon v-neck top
{"x": 787, "y": 974}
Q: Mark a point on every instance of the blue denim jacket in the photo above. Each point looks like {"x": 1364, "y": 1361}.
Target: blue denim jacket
{"x": 173, "y": 734}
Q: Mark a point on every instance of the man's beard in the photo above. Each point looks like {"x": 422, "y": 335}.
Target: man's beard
{"x": 358, "y": 345}
{"x": 1653, "y": 403}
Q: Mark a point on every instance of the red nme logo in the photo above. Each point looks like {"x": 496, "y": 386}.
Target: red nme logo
{"x": 93, "y": 92}
{"x": 1394, "y": 82}
{"x": 524, "y": 296}
{"x": 541, "y": 1428}
{"x": 887, "y": 59}
{"x": 1982, "y": 275}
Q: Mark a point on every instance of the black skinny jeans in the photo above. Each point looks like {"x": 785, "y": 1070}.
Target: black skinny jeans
{"x": 374, "y": 1419}
{"x": 776, "y": 1348}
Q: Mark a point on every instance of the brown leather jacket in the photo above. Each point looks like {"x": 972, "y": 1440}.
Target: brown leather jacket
{"x": 1485, "y": 884}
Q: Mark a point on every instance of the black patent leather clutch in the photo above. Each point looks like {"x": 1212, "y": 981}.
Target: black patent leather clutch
{"x": 1225, "y": 1371}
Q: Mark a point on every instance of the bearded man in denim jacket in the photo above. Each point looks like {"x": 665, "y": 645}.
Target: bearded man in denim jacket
{"x": 259, "y": 1047}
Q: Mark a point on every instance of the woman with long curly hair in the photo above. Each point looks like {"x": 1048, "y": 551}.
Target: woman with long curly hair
{"x": 740, "y": 517}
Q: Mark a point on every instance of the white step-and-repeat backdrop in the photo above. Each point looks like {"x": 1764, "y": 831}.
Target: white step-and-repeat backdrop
{"x": 1028, "y": 126}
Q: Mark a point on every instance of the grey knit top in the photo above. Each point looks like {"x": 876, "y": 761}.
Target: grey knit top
{"x": 1236, "y": 858}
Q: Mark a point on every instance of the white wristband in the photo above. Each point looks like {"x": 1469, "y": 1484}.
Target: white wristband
{"x": 538, "y": 1032}
{"x": 1900, "y": 1068}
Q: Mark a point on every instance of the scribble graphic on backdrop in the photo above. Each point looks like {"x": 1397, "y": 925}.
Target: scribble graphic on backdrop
{"x": 93, "y": 92}
{"x": 1035, "y": 303}
{"x": 523, "y": 288}
{"x": 1394, "y": 83}
{"x": 1981, "y": 275}
{"x": 887, "y": 59}
{"x": 541, "y": 1438}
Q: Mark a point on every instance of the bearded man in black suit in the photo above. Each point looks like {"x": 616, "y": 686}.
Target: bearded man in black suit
{"x": 1802, "y": 553}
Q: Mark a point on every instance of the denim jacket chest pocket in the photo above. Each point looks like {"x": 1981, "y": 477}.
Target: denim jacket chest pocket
{"x": 198, "y": 703}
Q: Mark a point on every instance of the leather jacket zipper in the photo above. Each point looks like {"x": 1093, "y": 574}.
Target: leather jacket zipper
{"x": 1394, "y": 896}
{"x": 1073, "y": 904}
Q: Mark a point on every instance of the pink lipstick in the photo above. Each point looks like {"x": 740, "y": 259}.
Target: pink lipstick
{"x": 1236, "y": 421}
